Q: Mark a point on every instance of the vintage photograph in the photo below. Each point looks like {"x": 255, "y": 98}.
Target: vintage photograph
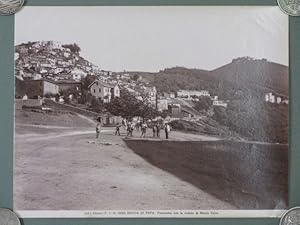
{"x": 151, "y": 108}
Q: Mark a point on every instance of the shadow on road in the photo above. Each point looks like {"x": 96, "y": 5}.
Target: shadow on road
{"x": 248, "y": 176}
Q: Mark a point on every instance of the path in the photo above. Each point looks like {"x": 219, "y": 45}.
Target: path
{"x": 66, "y": 169}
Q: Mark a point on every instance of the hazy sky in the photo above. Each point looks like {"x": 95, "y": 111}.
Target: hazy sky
{"x": 152, "y": 38}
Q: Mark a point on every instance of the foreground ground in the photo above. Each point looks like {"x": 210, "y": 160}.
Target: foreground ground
{"x": 60, "y": 167}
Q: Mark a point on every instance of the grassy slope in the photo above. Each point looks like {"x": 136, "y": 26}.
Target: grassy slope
{"x": 56, "y": 118}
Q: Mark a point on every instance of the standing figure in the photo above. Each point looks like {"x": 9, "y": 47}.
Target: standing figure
{"x": 144, "y": 128}
{"x": 97, "y": 130}
{"x": 157, "y": 130}
{"x": 118, "y": 129}
{"x": 154, "y": 129}
{"x": 167, "y": 130}
{"x": 124, "y": 123}
{"x": 129, "y": 129}
{"x": 137, "y": 126}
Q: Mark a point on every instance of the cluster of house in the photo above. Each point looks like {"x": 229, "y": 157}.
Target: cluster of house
{"x": 43, "y": 87}
{"x": 110, "y": 84}
{"x": 106, "y": 91}
{"x": 52, "y": 61}
{"x": 191, "y": 94}
{"x": 275, "y": 99}
{"x": 107, "y": 88}
{"x": 219, "y": 103}
{"x": 194, "y": 95}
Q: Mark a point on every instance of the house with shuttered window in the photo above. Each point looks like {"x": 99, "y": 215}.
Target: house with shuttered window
{"x": 104, "y": 91}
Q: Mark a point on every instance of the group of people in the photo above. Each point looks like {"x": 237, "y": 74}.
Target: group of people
{"x": 141, "y": 126}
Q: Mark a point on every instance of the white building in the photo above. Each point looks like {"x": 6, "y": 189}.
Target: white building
{"x": 53, "y": 45}
{"x": 271, "y": 98}
{"x": 285, "y": 102}
{"x": 37, "y": 76}
{"x": 220, "y": 103}
{"x": 104, "y": 91}
{"x": 17, "y": 56}
{"x": 278, "y": 100}
{"x": 169, "y": 95}
{"x": 105, "y": 73}
{"x": 77, "y": 74}
{"x": 125, "y": 76}
{"x": 152, "y": 93}
{"x": 191, "y": 93}
{"x": 67, "y": 54}
{"x": 162, "y": 104}
{"x": 58, "y": 70}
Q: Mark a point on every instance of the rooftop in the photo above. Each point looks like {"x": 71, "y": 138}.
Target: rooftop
{"x": 103, "y": 84}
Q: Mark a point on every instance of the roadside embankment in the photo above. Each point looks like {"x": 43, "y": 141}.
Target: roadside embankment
{"x": 247, "y": 175}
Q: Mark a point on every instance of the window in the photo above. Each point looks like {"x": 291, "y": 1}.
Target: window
{"x": 99, "y": 89}
{"x": 94, "y": 90}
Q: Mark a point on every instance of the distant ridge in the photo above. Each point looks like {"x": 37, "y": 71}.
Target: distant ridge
{"x": 254, "y": 76}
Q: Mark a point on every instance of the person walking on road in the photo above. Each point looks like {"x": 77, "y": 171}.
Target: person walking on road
{"x": 167, "y": 130}
{"x": 118, "y": 129}
{"x": 97, "y": 130}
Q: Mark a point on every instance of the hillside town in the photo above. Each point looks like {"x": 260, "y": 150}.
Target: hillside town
{"x": 48, "y": 68}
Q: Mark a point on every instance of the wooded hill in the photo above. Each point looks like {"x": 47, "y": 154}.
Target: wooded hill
{"x": 243, "y": 76}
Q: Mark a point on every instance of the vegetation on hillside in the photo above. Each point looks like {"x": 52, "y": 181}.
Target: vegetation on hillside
{"x": 128, "y": 107}
{"x": 73, "y": 48}
{"x": 244, "y": 82}
{"x": 257, "y": 121}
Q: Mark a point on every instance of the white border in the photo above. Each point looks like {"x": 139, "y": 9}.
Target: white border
{"x": 53, "y": 214}
{"x": 152, "y": 214}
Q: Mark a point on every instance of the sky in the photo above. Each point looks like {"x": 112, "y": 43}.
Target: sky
{"x": 151, "y": 38}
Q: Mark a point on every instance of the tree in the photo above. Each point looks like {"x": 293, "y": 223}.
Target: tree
{"x": 147, "y": 111}
{"x": 87, "y": 80}
{"x": 85, "y": 97}
{"x": 128, "y": 106}
{"x": 73, "y": 47}
{"x": 97, "y": 105}
{"x": 136, "y": 77}
{"x": 204, "y": 103}
{"x": 165, "y": 113}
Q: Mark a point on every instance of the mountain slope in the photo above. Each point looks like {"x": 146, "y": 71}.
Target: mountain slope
{"x": 243, "y": 76}
{"x": 258, "y": 75}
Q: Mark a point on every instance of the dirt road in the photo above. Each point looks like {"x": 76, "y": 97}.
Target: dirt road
{"x": 65, "y": 168}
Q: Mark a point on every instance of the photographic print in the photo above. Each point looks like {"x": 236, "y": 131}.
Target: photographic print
{"x": 165, "y": 108}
